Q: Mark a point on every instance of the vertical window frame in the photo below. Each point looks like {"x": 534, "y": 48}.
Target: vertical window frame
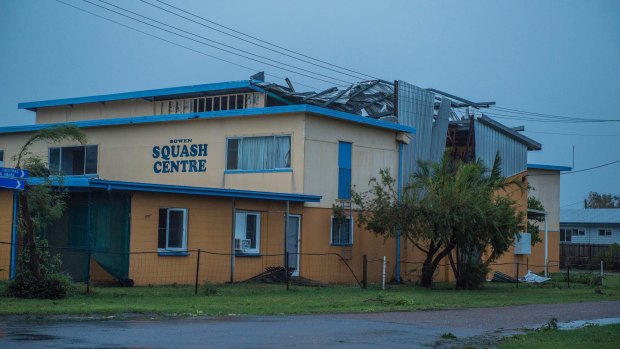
{"x": 83, "y": 172}
{"x": 257, "y": 214}
{"x": 166, "y": 248}
{"x": 345, "y": 165}
{"x": 331, "y": 234}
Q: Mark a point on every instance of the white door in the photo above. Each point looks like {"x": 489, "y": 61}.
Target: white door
{"x": 292, "y": 243}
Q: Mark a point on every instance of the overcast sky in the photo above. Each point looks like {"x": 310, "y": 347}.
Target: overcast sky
{"x": 552, "y": 57}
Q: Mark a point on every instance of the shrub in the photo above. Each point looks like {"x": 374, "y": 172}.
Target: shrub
{"x": 53, "y": 284}
{"x": 209, "y": 289}
{"x": 590, "y": 279}
{"x": 608, "y": 256}
{"x": 473, "y": 274}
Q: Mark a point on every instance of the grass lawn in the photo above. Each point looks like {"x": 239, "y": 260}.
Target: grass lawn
{"x": 274, "y": 299}
{"x": 599, "y": 337}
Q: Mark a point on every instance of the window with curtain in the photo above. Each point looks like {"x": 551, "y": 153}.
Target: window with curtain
{"x": 259, "y": 153}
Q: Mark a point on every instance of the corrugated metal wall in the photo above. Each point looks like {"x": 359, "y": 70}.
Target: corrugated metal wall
{"x": 440, "y": 130}
{"x": 489, "y": 141}
{"x": 415, "y": 108}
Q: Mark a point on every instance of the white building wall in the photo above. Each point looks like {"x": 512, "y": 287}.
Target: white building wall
{"x": 592, "y": 236}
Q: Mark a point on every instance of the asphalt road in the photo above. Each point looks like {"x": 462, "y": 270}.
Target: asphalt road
{"x": 478, "y": 327}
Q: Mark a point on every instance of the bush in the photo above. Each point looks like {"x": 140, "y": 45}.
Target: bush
{"x": 473, "y": 275}
{"x": 53, "y": 284}
{"x": 209, "y": 289}
{"x": 590, "y": 279}
{"x": 608, "y": 256}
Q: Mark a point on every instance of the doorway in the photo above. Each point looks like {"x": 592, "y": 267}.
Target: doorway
{"x": 292, "y": 243}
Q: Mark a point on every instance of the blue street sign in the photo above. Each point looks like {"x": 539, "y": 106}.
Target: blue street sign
{"x": 13, "y": 172}
{"x": 12, "y": 183}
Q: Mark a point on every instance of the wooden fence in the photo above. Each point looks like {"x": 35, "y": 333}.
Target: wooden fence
{"x": 586, "y": 255}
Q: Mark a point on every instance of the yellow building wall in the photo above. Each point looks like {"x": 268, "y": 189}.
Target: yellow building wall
{"x": 6, "y": 232}
{"x": 95, "y": 111}
{"x": 210, "y": 228}
{"x": 126, "y": 152}
{"x": 372, "y": 150}
{"x": 323, "y": 262}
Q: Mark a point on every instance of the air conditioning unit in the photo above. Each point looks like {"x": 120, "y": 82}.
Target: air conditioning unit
{"x": 242, "y": 244}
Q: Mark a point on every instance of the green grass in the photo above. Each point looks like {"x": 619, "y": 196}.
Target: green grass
{"x": 599, "y": 337}
{"x": 274, "y": 299}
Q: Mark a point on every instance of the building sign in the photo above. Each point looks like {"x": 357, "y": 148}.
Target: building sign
{"x": 180, "y": 155}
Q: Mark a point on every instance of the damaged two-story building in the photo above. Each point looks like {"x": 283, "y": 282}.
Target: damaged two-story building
{"x": 245, "y": 171}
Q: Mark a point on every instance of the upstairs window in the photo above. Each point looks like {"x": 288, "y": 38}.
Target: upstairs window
{"x": 1, "y": 158}
{"x": 247, "y": 232}
{"x": 172, "y": 232}
{"x": 344, "y": 170}
{"x": 209, "y": 103}
{"x": 604, "y": 232}
{"x": 342, "y": 231}
{"x": 259, "y": 153}
{"x": 79, "y": 160}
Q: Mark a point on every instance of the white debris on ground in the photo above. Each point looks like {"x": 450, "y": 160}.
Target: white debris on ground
{"x": 533, "y": 278}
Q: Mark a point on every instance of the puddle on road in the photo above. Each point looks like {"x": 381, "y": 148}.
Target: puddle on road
{"x": 25, "y": 336}
{"x": 571, "y": 325}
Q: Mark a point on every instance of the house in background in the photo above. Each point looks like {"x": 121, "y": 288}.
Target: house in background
{"x": 596, "y": 226}
{"x": 585, "y": 233}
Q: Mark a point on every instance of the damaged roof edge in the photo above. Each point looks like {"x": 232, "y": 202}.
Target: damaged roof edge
{"x": 531, "y": 144}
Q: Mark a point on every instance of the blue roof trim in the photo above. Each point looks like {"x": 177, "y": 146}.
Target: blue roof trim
{"x": 180, "y": 189}
{"x": 171, "y": 91}
{"x": 549, "y": 167}
{"x": 96, "y": 183}
{"x": 217, "y": 115}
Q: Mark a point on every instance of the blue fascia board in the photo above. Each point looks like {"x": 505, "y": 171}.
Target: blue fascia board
{"x": 276, "y": 170}
{"x": 178, "y": 189}
{"x": 304, "y": 108}
{"x": 549, "y": 167}
{"x": 171, "y": 91}
{"x": 91, "y": 182}
{"x": 65, "y": 181}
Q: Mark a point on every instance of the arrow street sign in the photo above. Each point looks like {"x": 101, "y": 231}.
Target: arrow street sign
{"x": 12, "y": 183}
{"x": 13, "y": 172}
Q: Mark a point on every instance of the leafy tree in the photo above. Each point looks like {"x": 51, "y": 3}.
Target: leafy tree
{"x": 446, "y": 208}
{"x": 39, "y": 206}
{"x": 596, "y": 200}
{"x": 533, "y": 224}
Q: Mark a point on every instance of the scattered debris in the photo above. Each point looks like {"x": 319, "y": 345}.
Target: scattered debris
{"x": 501, "y": 277}
{"x": 533, "y": 278}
